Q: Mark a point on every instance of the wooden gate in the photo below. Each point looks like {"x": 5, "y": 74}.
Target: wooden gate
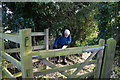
{"x": 105, "y": 52}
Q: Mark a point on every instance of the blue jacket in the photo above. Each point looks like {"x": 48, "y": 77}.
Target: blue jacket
{"x": 61, "y": 40}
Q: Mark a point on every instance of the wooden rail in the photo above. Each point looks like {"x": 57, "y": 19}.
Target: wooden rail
{"x": 38, "y": 34}
{"x": 15, "y": 50}
{"x": 55, "y": 68}
{"x": 8, "y": 74}
{"x": 60, "y": 52}
{"x": 12, "y": 60}
{"x": 14, "y": 38}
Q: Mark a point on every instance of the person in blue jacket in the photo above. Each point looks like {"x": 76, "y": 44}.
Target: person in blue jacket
{"x": 61, "y": 41}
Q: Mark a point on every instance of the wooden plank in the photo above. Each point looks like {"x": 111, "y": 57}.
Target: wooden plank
{"x": 99, "y": 60}
{"x": 94, "y": 49}
{"x": 9, "y": 75}
{"x": 13, "y": 38}
{"x": 48, "y": 63}
{"x": 38, "y": 47}
{"x": 39, "y": 70}
{"x": 18, "y": 49}
{"x": 18, "y": 74}
{"x": 82, "y": 65}
{"x": 15, "y": 50}
{"x": 1, "y": 52}
{"x": 60, "y": 52}
{"x": 108, "y": 58}
{"x": 59, "y": 69}
{"x": 85, "y": 75}
{"x": 12, "y": 60}
{"x": 46, "y": 39}
{"x": 34, "y": 70}
{"x": 25, "y": 52}
{"x": 38, "y": 34}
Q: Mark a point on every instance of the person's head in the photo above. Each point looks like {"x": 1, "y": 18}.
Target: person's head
{"x": 66, "y": 33}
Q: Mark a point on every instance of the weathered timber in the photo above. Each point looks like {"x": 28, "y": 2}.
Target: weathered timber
{"x": 1, "y": 52}
{"x": 13, "y": 38}
{"x": 38, "y": 34}
{"x": 108, "y": 58}
{"x": 48, "y": 63}
{"x": 46, "y": 39}
{"x": 15, "y": 50}
{"x": 99, "y": 60}
{"x": 34, "y": 70}
{"x": 58, "y": 69}
{"x": 85, "y": 75}
{"x": 25, "y": 52}
{"x": 12, "y": 60}
{"x": 60, "y": 52}
{"x": 61, "y": 70}
{"x": 93, "y": 49}
{"x": 82, "y": 65}
{"x": 38, "y": 47}
{"x": 9, "y": 75}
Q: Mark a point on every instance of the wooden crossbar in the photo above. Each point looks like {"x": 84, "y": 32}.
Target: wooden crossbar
{"x": 48, "y": 63}
{"x": 94, "y": 49}
{"x": 9, "y": 74}
{"x": 15, "y": 50}
{"x": 38, "y": 47}
{"x": 12, "y": 60}
{"x": 60, "y": 52}
{"x": 85, "y": 75}
{"x": 55, "y": 69}
{"x": 38, "y": 34}
{"x": 82, "y": 65}
{"x": 58, "y": 69}
{"x": 13, "y": 38}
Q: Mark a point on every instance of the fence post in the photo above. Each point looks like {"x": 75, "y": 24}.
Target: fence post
{"x": 108, "y": 58}
{"x": 1, "y": 52}
{"x": 25, "y": 52}
{"x": 0, "y": 41}
{"x": 99, "y": 60}
{"x": 46, "y": 39}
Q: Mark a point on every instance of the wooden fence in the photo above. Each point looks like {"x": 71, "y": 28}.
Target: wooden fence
{"x": 105, "y": 55}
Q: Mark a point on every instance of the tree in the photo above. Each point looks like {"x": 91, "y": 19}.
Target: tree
{"x": 108, "y": 20}
{"x": 54, "y": 16}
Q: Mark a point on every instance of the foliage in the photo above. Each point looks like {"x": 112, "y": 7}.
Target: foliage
{"x": 83, "y": 19}
{"x": 55, "y": 16}
{"x": 107, "y": 18}
{"x": 88, "y": 22}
